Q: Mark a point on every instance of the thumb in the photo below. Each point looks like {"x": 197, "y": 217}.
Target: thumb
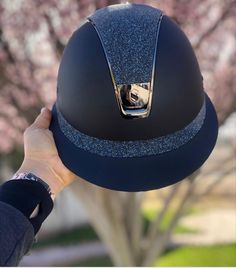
{"x": 43, "y": 119}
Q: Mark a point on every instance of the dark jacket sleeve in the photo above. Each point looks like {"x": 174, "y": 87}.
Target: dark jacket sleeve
{"x": 18, "y": 199}
{"x": 16, "y": 235}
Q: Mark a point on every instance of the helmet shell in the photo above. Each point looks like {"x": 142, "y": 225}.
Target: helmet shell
{"x": 131, "y": 44}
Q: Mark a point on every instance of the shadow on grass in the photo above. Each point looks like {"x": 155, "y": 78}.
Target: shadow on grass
{"x": 83, "y": 233}
{"x": 94, "y": 262}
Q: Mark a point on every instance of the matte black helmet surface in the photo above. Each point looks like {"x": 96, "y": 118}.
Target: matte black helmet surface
{"x": 131, "y": 113}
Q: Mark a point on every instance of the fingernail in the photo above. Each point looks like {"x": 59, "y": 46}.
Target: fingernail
{"x": 42, "y": 110}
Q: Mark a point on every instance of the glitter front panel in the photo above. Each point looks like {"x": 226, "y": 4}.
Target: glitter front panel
{"x": 129, "y": 35}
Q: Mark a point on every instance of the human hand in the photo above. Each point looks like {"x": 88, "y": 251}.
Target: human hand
{"x": 41, "y": 155}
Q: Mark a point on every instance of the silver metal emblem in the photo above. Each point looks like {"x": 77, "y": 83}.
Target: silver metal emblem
{"x": 134, "y": 100}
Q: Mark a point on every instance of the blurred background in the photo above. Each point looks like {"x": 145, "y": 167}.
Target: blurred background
{"x": 192, "y": 223}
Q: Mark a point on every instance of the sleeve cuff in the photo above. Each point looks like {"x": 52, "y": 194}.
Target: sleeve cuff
{"x": 25, "y": 195}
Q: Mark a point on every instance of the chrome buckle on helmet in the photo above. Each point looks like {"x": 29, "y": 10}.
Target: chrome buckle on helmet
{"x": 134, "y": 99}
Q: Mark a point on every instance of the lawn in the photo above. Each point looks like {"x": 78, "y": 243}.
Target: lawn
{"x": 81, "y": 234}
{"x": 223, "y": 255}
{"x": 219, "y": 256}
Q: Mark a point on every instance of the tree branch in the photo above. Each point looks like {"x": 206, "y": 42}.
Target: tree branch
{"x": 134, "y": 223}
{"x": 160, "y": 242}
{"x": 105, "y": 213}
{"x": 5, "y": 46}
{"x": 29, "y": 115}
{"x": 154, "y": 228}
{"x": 214, "y": 168}
{"x": 217, "y": 180}
{"x": 58, "y": 45}
{"x": 215, "y": 25}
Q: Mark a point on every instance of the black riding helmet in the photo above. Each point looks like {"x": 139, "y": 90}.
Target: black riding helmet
{"x": 131, "y": 113}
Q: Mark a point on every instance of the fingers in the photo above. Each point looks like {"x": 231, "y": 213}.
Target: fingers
{"x": 43, "y": 120}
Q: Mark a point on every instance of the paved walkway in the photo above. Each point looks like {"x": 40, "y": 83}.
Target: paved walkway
{"x": 216, "y": 226}
{"x": 59, "y": 256}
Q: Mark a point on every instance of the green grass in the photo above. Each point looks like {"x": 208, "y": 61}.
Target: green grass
{"x": 218, "y": 256}
{"x": 222, "y": 255}
{"x": 87, "y": 233}
{"x": 150, "y": 214}
{"x": 81, "y": 234}
{"x": 94, "y": 262}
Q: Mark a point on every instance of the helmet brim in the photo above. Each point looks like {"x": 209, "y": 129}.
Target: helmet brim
{"x": 134, "y": 174}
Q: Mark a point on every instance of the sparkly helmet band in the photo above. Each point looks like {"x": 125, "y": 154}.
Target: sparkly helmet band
{"x": 136, "y": 148}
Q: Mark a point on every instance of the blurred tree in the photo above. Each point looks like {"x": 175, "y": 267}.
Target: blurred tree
{"x": 33, "y": 35}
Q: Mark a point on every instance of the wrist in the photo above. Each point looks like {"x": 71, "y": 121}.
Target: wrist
{"x": 42, "y": 170}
